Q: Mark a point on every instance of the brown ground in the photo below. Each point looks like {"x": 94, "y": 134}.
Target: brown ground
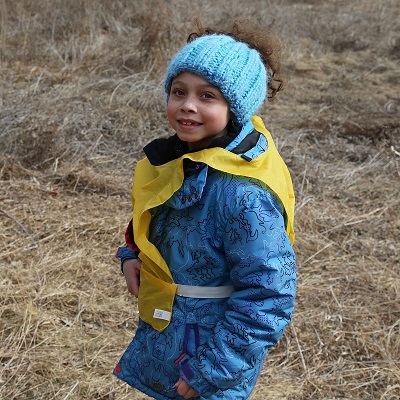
{"x": 80, "y": 94}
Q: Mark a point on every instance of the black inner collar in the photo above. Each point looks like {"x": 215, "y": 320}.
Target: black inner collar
{"x": 163, "y": 150}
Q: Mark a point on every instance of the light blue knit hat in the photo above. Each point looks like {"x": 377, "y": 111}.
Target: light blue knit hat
{"x": 232, "y": 66}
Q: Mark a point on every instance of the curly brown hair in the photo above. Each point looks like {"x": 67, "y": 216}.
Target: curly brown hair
{"x": 269, "y": 47}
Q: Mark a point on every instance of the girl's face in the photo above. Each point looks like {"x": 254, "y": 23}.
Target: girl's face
{"x": 197, "y": 110}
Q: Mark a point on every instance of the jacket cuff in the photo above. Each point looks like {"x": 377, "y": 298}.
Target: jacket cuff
{"x": 126, "y": 253}
{"x": 194, "y": 379}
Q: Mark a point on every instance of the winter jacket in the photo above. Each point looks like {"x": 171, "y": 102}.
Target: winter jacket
{"x": 219, "y": 227}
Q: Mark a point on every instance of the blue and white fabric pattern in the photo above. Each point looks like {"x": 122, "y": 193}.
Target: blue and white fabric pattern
{"x": 218, "y": 229}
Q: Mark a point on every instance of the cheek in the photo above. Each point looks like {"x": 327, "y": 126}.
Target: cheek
{"x": 170, "y": 111}
{"x": 221, "y": 117}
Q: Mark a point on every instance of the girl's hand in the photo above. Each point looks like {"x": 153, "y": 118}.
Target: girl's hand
{"x": 185, "y": 390}
{"x": 131, "y": 270}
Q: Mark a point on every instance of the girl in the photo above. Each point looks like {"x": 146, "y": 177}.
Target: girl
{"x": 208, "y": 252}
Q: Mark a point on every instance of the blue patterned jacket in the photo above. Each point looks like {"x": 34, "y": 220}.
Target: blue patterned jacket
{"x": 218, "y": 229}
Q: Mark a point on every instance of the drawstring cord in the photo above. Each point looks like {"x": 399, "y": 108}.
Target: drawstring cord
{"x": 185, "y": 341}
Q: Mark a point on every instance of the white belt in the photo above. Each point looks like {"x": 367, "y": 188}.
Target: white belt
{"x": 205, "y": 292}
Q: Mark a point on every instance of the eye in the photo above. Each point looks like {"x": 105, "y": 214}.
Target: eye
{"x": 208, "y": 95}
{"x": 178, "y": 92}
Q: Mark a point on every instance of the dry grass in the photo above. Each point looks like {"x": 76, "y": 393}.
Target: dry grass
{"x": 80, "y": 94}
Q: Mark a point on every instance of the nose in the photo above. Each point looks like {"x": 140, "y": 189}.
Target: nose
{"x": 189, "y": 104}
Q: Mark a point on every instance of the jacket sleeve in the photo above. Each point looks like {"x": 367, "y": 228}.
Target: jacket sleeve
{"x": 129, "y": 239}
{"x": 263, "y": 272}
{"x": 129, "y": 250}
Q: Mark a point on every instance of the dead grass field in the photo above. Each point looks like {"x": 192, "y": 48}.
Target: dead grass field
{"x": 80, "y": 94}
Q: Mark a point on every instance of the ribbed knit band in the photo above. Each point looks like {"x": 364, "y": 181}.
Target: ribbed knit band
{"x": 232, "y": 66}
